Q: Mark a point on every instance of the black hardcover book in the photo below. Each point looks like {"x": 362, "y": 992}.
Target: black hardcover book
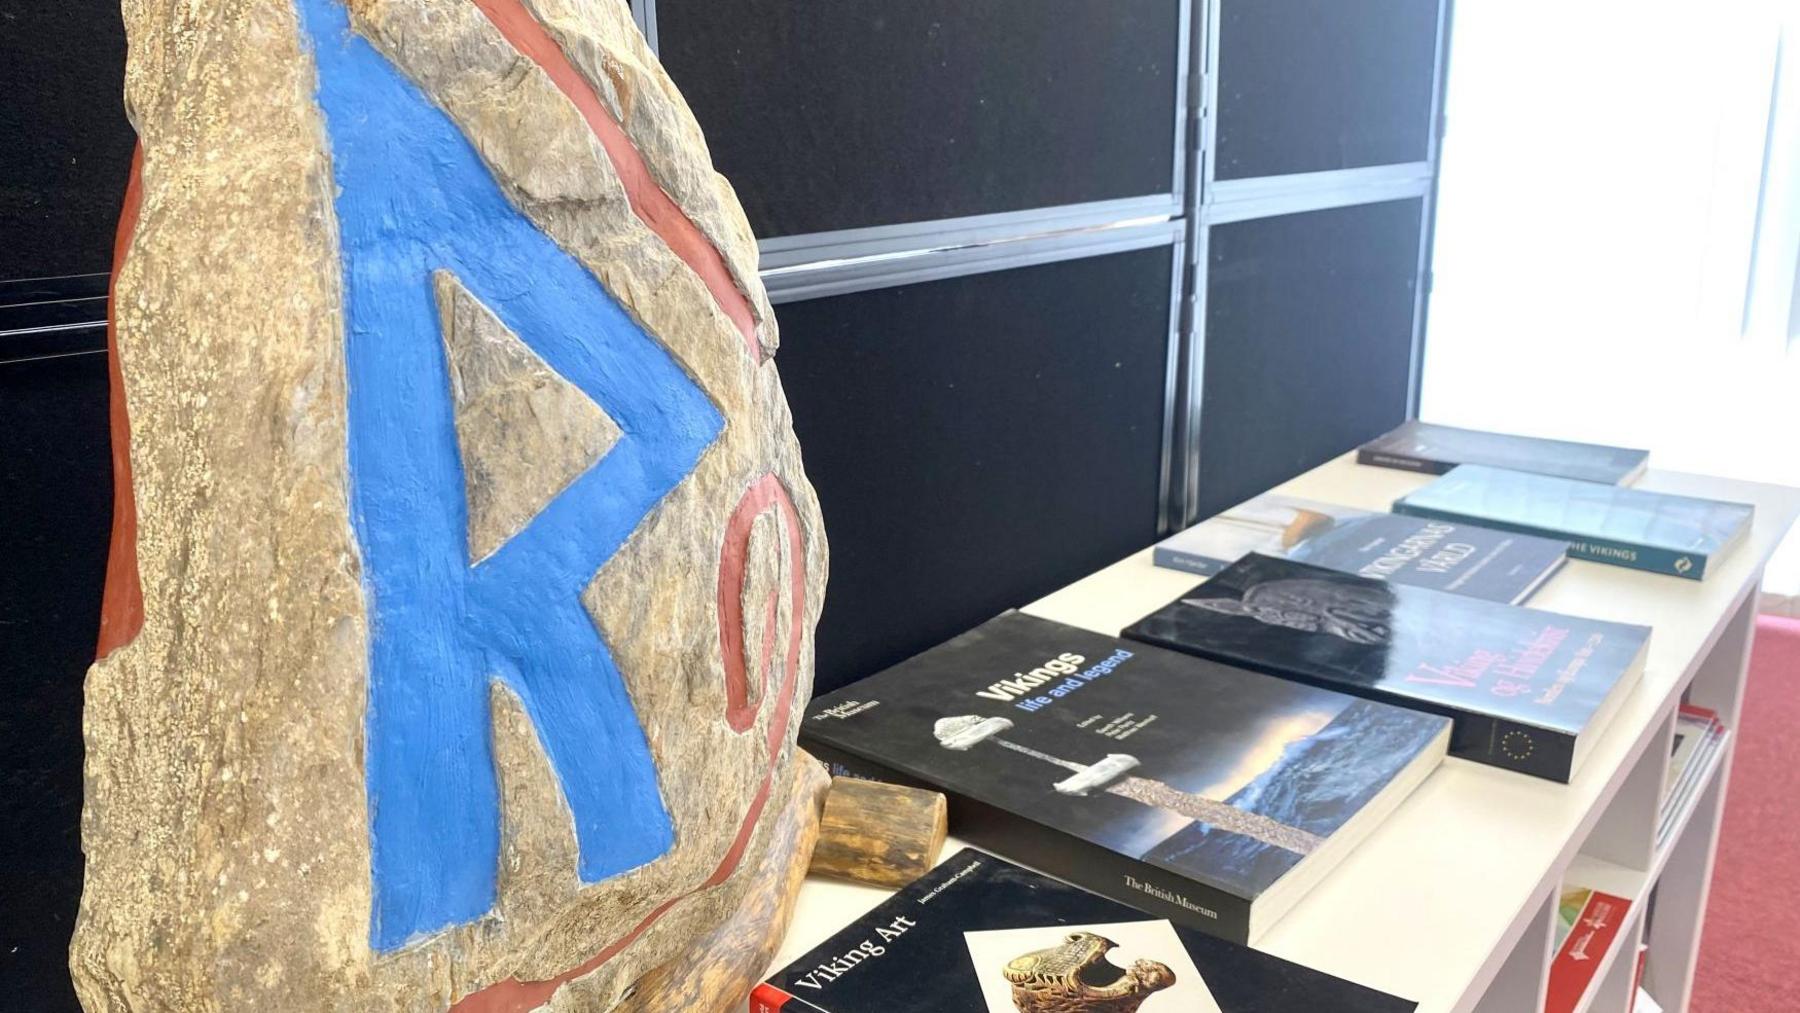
{"x": 1434, "y": 449}
{"x": 1205, "y": 794}
{"x": 1677, "y": 535}
{"x": 1426, "y": 552}
{"x": 1529, "y": 690}
{"x": 980, "y": 935}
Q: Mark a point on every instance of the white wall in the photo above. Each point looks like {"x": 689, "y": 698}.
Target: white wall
{"x": 1596, "y": 221}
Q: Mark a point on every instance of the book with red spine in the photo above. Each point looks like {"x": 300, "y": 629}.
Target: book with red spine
{"x": 1589, "y": 922}
{"x": 767, "y": 998}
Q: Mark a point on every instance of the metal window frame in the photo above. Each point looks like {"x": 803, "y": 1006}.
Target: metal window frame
{"x": 1222, "y": 202}
{"x": 26, "y": 336}
{"x": 1428, "y": 225}
{"x": 644, "y": 13}
{"x": 787, "y": 252}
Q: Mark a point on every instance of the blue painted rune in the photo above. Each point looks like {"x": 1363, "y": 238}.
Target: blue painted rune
{"x": 414, "y": 197}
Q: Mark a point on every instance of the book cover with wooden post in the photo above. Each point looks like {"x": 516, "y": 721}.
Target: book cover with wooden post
{"x": 464, "y": 571}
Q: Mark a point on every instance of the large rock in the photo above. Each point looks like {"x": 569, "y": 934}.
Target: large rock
{"x": 452, "y": 658}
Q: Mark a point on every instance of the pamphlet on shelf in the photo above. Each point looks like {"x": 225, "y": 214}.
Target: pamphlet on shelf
{"x": 1587, "y": 923}
{"x": 1699, "y": 735}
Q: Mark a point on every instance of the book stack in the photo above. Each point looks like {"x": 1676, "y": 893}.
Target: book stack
{"x": 1699, "y": 735}
{"x": 1559, "y": 490}
{"x": 1218, "y": 762}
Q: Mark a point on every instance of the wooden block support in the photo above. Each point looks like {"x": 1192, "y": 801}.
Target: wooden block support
{"x": 881, "y": 834}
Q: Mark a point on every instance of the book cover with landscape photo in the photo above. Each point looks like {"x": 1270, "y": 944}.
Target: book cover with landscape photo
{"x": 1424, "y": 552}
{"x": 1529, "y": 690}
{"x": 1208, "y": 794}
{"x": 981, "y": 935}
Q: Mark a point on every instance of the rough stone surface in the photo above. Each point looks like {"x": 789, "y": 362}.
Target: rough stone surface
{"x": 736, "y": 954}
{"x": 226, "y": 822}
{"x": 525, "y": 433}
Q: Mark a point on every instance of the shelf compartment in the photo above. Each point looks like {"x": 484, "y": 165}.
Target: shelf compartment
{"x": 1520, "y": 982}
{"x": 1604, "y": 989}
{"x": 1625, "y": 834}
{"x": 1683, "y": 879}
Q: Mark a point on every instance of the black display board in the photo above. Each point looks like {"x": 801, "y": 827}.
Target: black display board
{"x": 1309, "y": 324}
{"x": 1314, "y": 85}
{"x": 65, "y": 146}
{"x": 869, "y": 112}
{"x": 56, "y": 492}
{"x": 976, "y": 443}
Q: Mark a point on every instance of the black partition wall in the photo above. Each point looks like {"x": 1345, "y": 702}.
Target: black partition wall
{"x": 971, "y": 223}
{"x": 65, "y": 149}
{"x": 1316, "y": 149}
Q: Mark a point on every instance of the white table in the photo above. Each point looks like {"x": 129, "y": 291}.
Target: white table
{"x": 1451, "y": 901}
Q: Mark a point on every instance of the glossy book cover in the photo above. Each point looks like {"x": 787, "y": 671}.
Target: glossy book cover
{"x": 1174, "y": 784}
{"x": 1449, "y": 556}
{"x": 1525, "y": 687}
{"x": 1435, "y": 449}
{"x": 1676, "y": 535}
{"x": 981, "y": 935}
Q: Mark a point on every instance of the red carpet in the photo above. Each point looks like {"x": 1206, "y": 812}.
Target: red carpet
{"x": 1751, "y": 947}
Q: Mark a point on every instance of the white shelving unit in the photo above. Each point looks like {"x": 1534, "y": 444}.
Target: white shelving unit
{"x": 1451, "y": 902}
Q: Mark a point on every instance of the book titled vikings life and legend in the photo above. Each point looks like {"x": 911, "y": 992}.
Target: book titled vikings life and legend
{"x": 1676, "y": 535}
{"x": 1463, "y": 558}
{"x": 1434, "y": 450}
{"x": 979, "y": 935}
{"x": 1529, "y": 691}
{"x": 1202, "y": 793}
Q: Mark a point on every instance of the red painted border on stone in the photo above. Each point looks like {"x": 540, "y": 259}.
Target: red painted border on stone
{"x": 649, "y": 202}
{"x": 741, "y": 704}
{"x": 122, "y": 601}
{"x": 515, "y": 996}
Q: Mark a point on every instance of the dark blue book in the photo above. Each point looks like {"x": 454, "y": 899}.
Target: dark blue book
{"x": 981, "y": 935}
{"x": 1677, "y": 535}
{"x": 1204, "y": 794}
{"x": 1529, "y": 691}
{"x": 1456, "y": 557}
{"x": 1435, "y": 449}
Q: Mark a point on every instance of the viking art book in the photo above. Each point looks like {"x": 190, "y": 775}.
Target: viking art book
{"x": 1209, "y": 795}
{"x": 980, "y": 935}
{"x": 464, "y": 570}
{"x": 1529, "y": 690}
